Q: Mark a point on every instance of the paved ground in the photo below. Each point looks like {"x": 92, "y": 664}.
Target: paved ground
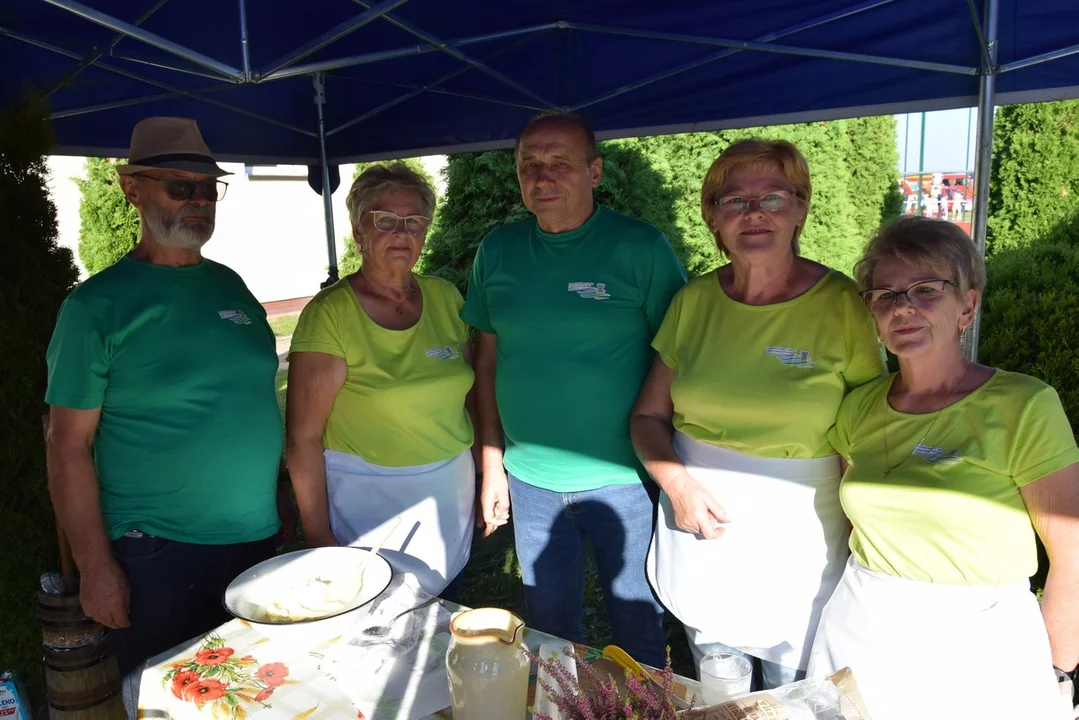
{"x": 282, "y": 351}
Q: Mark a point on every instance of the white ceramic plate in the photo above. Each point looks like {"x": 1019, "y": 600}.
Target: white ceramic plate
{"x": 271, "y": 578}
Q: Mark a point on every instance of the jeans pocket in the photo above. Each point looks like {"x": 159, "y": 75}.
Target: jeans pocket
{"x": 129, "y": 549}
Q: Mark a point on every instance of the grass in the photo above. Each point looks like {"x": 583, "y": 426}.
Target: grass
{"x": 283, "y": 325}
{"x": 280, "y": 383}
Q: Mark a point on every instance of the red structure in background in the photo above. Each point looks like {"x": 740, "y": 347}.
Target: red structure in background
{"x": 945, "y": 195}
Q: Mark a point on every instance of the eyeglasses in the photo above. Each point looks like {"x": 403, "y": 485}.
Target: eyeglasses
{"x": 184, "y": 190}
{"x": 387, "y": 222}
{"x": 920, "y": 294}
{"x": 770, "y": 202}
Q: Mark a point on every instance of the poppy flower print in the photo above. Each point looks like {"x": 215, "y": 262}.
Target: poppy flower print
{"x": 272, "y": 674}
{"x": 213, "y": 656}
{"x": 181, "y": 680}
{"x": 205, "y": 691}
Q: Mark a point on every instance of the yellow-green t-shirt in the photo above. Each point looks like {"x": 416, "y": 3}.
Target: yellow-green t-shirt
{"x": 403, "y": 401}
{"x": 951, "y": 512}
{"x": 766, "y": 380}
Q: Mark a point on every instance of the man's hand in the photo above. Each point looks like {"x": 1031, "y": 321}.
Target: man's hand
{"x": 105, "y": 594}
{"x": 286, "y": 511}
{"x": 495, "y": 499}
{"x": 695, "y": 510}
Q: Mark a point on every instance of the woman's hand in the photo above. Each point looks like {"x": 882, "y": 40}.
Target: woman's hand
{"x": 495, "y": 499}
{"x": 695, "y": 510}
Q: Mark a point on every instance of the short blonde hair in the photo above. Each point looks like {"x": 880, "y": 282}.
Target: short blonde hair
{"x": 924, "y": 241}
{"x": 376, "y": 180}
{"x": 756, "y": 154}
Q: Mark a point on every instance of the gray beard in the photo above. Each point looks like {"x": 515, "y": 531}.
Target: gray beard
{"x": 174, "y": 232}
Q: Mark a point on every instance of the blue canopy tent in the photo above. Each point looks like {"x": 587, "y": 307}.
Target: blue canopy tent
{"x": 334, "y": 81}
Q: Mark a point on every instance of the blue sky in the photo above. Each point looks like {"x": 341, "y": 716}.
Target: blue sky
{"x": 945, "y": 140}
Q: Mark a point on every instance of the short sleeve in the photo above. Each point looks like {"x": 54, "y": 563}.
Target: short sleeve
{"x": 866, "y": 360}
{"x": 667, "y": 278}
{"x": 78, "y": 358}
{"x": 839, "y": 434}
{"x": 1044, "y": 441}
{"x": 476, "y": 312}
{"x": 666, "y": 340}
{"x": 318, "y": 330}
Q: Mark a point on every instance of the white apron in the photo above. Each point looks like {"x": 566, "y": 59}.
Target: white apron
{"x": 436, "y": 503}
{"x": 762, "y": 585}
{"x": 939, "y": 652}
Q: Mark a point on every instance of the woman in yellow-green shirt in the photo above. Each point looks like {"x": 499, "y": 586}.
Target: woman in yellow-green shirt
{"x": 379, "y": 374}
{"x": 951, "y": 468}
{"x": 754, "y": 360}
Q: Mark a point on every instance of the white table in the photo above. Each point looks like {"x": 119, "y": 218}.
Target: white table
{"x": 233, "y": 673}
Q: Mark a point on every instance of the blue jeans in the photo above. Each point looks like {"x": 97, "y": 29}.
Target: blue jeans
{"x": 767, "y": 675}
{"x": 176, "y": 591}
{"x": 550, "y": 530}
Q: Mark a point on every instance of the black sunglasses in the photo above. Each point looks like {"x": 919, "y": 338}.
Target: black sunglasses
{"x": 183, "y": 190}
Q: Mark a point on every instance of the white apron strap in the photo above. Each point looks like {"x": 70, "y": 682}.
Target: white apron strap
{"x": 939, "y": 652}
{"x": 762, "y": 585}
{"x": 436, "y": 503}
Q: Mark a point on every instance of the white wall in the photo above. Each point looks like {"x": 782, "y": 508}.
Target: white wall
{"x": 271, "y": 232}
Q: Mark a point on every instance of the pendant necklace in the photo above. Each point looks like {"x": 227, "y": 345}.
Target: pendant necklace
{"x": 948, "y": 403}
{"x": 408, "y": 294}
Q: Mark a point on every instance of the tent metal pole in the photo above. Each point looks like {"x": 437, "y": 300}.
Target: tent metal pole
{"x": 778, "y": 49}
{"x": 88, "y": 13}
{"x": 984, "y": 157}
{"x": 154, "y": 83}
{"x": 785, "y": 32}
{"x": 333, "y": 35}
{"x": 921, "y": 164}
{"x": 172, "y": 68}
{"x": 243, "y": 41}
{"x": 1039, "y": 59}
{"x": 462, "y": 57}
{"x": 116, "y": 104}
{"x": 327, "y": 195}
{"x": 340, "y": 63}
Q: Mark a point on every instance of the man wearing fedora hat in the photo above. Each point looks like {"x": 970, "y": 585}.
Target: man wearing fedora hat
{"x": 165, "y": 436}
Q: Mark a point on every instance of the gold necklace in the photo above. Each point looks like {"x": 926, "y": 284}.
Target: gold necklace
{"x": 948, "y": 403}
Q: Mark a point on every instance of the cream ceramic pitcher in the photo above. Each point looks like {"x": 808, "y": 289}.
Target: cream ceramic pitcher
{"x": 487, "y": 665}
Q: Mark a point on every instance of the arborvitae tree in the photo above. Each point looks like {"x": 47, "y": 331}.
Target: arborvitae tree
{"x": 110, "y": 224}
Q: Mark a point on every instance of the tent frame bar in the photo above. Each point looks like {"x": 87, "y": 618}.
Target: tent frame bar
{"x": 96, "y": 16}
{"x": 117, "y": 104}
{"x": 319, "y": 82}
{"x": 1039, "y": 59}
{"x": 368, "y": 58}
{"x": 779, "y": 49}
{"x": 332, "y": 35}
{"x": 462, "y": 57}
{"x": 658, "y": 77}
{"x": 245, "y": 50}
{"x": 987, "y": 61}
{"x": 983, "y": 162}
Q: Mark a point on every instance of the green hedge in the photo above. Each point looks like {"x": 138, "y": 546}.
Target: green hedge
{"x": 1030, "y": 320}
{"x": 110, "y": 225}
{"x": 35, "y": 276}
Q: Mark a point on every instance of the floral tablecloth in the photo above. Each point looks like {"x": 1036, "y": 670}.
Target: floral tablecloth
{"x": 234, "y": 672}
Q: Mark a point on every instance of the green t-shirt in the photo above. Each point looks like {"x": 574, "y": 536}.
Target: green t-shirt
{"x": 573, "y": 313}
{"x": 951, "y": 512}
{"x": 766, "y": 380}
{"x": 403, "y": 401}
{"x": 182, "y": 364}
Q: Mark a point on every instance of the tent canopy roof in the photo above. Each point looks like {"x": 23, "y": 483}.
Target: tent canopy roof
{"x": 411, "y": 77}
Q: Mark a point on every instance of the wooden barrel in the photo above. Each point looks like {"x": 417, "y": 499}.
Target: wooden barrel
{"x": 84, "y": 683}
{"x": 63, "y": 624}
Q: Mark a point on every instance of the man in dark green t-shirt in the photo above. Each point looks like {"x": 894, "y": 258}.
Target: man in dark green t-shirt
{"x": 165, "y": 437}
{"x": 566, "y": 303}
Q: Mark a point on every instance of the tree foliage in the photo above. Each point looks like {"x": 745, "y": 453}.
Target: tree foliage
{"x": 350, "y": 258}
{"x": 110, "y": 224}
{"x": 35, "y": 277}
{"x": 1030, "y": 315}
{"x": 658, "y": 179}
{"x": 1034, "y": 183}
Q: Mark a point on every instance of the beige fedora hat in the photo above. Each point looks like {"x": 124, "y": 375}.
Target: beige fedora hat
{"x": 169, "y": 143}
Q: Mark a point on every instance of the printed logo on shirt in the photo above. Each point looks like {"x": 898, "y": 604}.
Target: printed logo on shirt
{"x": 936, "y": 454}
{"x": 590, "y": 291}
{"x": 792, "y": 356}
{"x": 237, "y": 316}
{"x": 443, "y": 353}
